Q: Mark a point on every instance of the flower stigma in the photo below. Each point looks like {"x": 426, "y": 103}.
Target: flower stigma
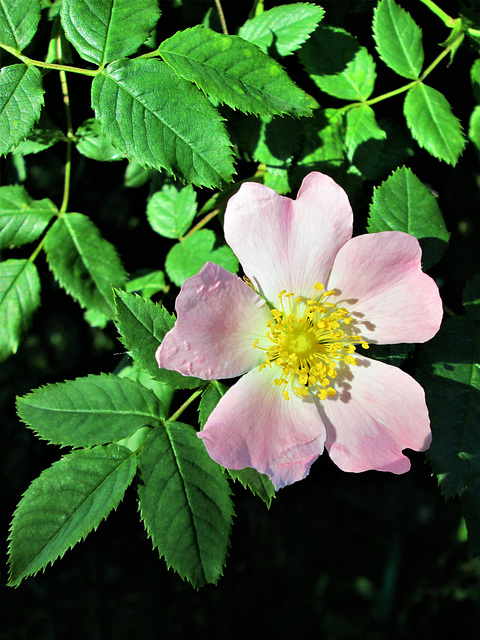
{"x": 310, "y": 338}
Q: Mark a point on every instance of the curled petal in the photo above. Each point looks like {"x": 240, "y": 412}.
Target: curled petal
{"x": 218, "y": 319}
{"x": 254, "y": 426}
{"x": 288, "y": 244}
{"x": 380, "y": 281}
{"x": 378, "y": 411}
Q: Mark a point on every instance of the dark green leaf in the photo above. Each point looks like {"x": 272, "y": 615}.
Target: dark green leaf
{"x": 432, "y": 123}
{"x": 22, "y": 219}
{"x": 142, "y": 325}
{"x": 471, "y": 298}
{"x": 64, "y": 504}
{"x": 43, "y": 136}
{"x": 18, "y": 22}
{"x": 151, "y": 114}
{"x": 19, "y": 298}
{"x": 398, "y": 38}
{"x": 171, "y": 210}
{"x": 85, "y": 264}
{"x": 107, "y": 30}
{"x": 404, "y": 203}
{"x": 89, "y": 411}
{"x": 258, "y": 483}
{"x": 234, "y": 72}
{"x": 283, "y": 28}
{"x": 185, "y": 503}
{"x": 187, "y": 257}
{"x": 209, "y": 400}
{"x": 361, "y": 126}
{"x": 147, "y": 285}
{"x": 21, "y": 100}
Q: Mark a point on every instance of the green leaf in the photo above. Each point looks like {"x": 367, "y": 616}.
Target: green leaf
{"x": 43, "y": 136}
{"x": 338, "y": 64}
{"x": 93, "y": 144}
{"x": 404, "y": 203}
{"x": 185, "y": 503}
{"x": 471, "y": 298}
{"x": 171, "y": 210}
{"x": 164, "y": 392}
{"x": 89, "y": 411}
{"x": 21, "y": 100}
{"x": 450, "y": 373}
{"x": 361, "y": 126}
{"x": 18, "y": 22}
{"x": 324, "y": 141}
{"x": 285, "y": 28}
{"x": 164, "y": 122}
{"x": 85, "y": 264}
{"x": 187, "y": 257}
{"x": 432, "y": 123}
{"x": 22, "y": 219}
{"x": 136, "y": 175}
{"x": 107, "y": 30}
{"x": 19, "y": 298}
{"x": 142, "y": 325}
{"x": 258, "y": 483}
{"x": 147, "y": 285}
{"x": 209, "y": 400}
{"x": 474, "y": 128}
{"x": 64, "y": 504}
{"x": 235, "y": 72}
{"x": 475, "y": 79}
{"x": 398, "y": 38}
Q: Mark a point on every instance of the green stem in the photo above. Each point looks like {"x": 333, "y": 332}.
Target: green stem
{"x": 444, "y": 17}
{"x": 202, "y": 223}
{"x": 222, "y": 17}
{"x": 187, "y": 403}
{"x": 47, "y": 65}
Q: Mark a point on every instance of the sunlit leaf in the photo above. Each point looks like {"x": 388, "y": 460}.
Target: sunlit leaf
{"x": 171, "y": 210}
{"x": 18, "y": 22}
{"x": 22, "y": 219}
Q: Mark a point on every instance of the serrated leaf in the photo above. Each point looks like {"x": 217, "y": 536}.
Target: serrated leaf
{"x": 21, "y": 100}
{"x": 324, "y": 141}
{"x": 285, "y": 28}
{"x": 171, "y": 210}
{"x": 404, "y": 203}
{"x": 361, "y": 126}
{"x": 185, "y": 503}
{"x": 18, "y": 22}
{"x": 90, "y": 411}
{"x": 147, "y": 285}
{"x": 475, "y": 79}
{"x": 432, "y": 123}
{"x": 398, "y": 38}
{"x": 19, "y": 298}
{"x": 209, "y": 400}
{"x": 164, "y": 122}
{"x": 136, "y": 175}
{"x": 258, "y": 483}
{"x": 471, "y": 297}
{"x": 187, "y": 257}
{"x": 164, "y": 392}
{"x": 108, "y": 30}
{"x": 65, "y": 503}
{"x": 474, "y": 128}
{"x": 450, "y": 373}
{"x": 91, "y": 142}
{"x": 234, "y": 72}
{"x": 142, "y": 325}
{"x": 338, "y": 64}
{"x": 84, "y": 263}
{"x": 43, "y": 136}
{"x": 22, "y": 219}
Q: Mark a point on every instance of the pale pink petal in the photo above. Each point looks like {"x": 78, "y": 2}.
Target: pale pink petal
{"x": 218, "y": 319}
{"x": 288, "y": 244}
{"x": 379, "y": 278}
{"x": 254, "y": 426}
{"x": 378, "y": 411}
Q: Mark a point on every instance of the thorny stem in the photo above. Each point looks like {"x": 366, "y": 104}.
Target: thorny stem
{"x": 187, "y": 403}
{"x": 222, "y": 17}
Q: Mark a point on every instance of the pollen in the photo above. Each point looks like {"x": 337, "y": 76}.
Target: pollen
{"x": 309, "y": 339}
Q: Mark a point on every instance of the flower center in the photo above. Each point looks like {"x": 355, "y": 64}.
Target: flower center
{"x": 309, "y": 339}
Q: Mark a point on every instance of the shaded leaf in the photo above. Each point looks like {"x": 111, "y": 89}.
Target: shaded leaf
{"x": 91, "y": 142}
{"x": 361, "y": 126}
{"x": 22, "y": 219}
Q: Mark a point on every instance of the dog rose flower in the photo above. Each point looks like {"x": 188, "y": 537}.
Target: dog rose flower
{"x": 311, "y": 295}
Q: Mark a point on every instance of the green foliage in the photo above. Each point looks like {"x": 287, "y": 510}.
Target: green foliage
{"x": 108, "y": 30}
{"x": 22, "y": 219}
{"x": 146, "y": 112}
{"x": 18, "y": 22}
{"x": 283, "y": 28}
{"x": 361, "y": 127}
{"x": 93, "y": 144}
{"x": 64, "y": 504}
{"x": 398, "y": 39}
{"x": 403, "y": 203}
{"x": 90, "y": 411}
{"x": 84, "y": 263}
{"x": 185, "y": 503}
{"x": 171, "y": 210}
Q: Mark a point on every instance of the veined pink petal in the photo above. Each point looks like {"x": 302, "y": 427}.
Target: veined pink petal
{"x": 288, "y": 244}
{"x": 380, "y": 281}
{"x": 254, "y": 426}
{"x": 378, "y": 411}
{"x": 218, "y": 318}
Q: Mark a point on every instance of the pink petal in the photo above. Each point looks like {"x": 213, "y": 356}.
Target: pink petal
{"x": 380, "y": 280}
{"x": 288, "y": 244}
{"x": 254, "y": 426}
{"x": 218, "y": 319}
{"x": 378, "y": 411}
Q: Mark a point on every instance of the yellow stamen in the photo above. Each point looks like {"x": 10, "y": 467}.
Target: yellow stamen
{"x": 309, "y": 339}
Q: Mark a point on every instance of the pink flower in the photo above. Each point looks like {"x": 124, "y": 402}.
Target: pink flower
{"x": 314, "y": 294}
